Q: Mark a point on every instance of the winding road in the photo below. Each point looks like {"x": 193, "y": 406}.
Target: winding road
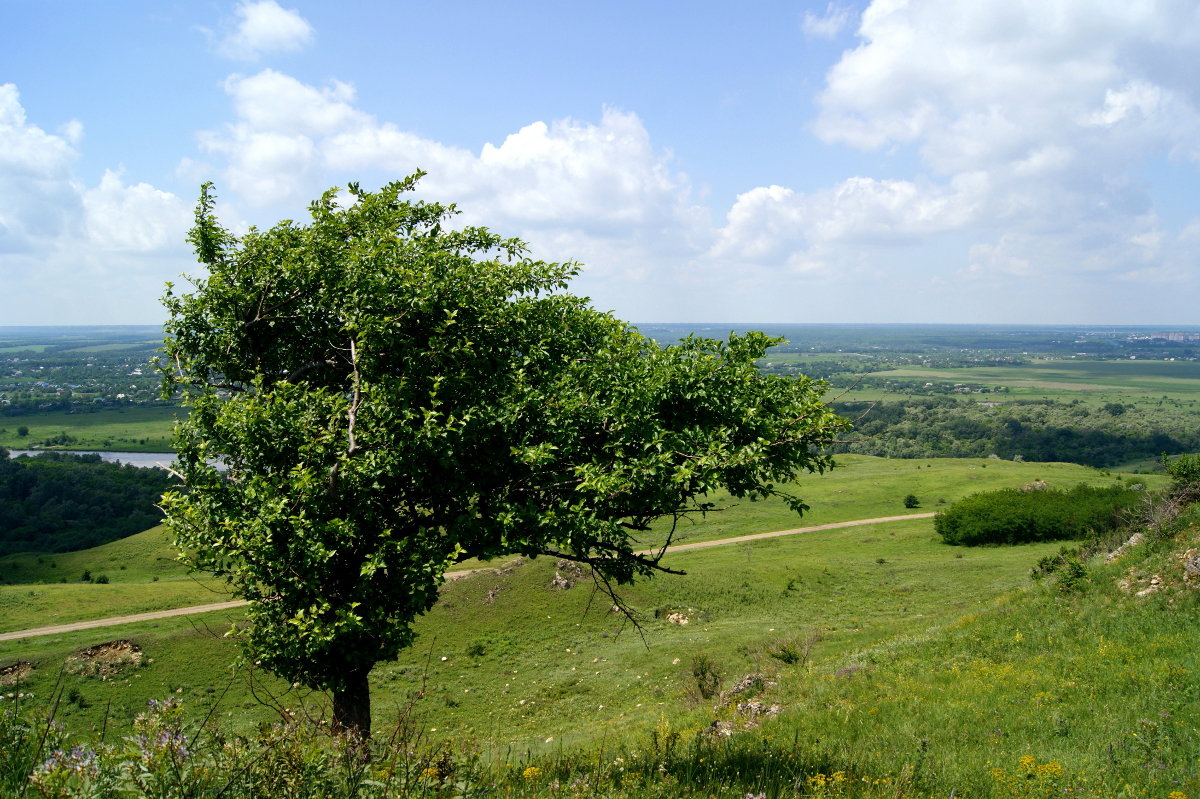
{"x": 454, "y": 575}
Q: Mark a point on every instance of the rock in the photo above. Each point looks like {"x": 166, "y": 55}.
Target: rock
{"x": 1133, "y": 541}
{"x": 720, "y": 729}
{"x": 678, "y": 618}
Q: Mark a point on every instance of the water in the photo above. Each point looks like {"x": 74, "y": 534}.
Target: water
{"x": 143, "y": 459}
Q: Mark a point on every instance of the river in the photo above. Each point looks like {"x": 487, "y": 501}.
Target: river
{"x": 145, "y": 459}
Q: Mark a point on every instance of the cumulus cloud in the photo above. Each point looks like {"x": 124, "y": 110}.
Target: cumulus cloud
{"x": 1048, "y": 109}
{"x": 580, "y": 189}
{"x": 137, "y": 218}
{"x": 264, "y": 27}
{"x": 830, "y": 24}
{"x": 1028, "y": 124}
{"x": 38, "y": 200}
{"x": 68, "y": 251}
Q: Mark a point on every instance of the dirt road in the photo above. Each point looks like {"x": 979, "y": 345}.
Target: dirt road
{"x": 455, "y": 575}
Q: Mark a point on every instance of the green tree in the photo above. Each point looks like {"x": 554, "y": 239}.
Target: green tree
{"x": 389, "y": 397}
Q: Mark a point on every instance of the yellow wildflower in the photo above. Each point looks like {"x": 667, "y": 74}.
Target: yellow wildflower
{"x": 531, "y": 773}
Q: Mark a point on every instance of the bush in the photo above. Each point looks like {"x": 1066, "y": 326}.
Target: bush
{"x": 1010, "y": 516}
{"x": 1185, "y": 473}
{"x": 707, "y": 676}
{"x": 911, "y": 501}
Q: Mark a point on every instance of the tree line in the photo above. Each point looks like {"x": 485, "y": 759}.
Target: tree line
{"x": 56, "y": 502}
{"x": 1032, "y": 430}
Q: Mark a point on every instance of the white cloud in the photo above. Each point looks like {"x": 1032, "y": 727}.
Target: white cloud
{"x": 272, "y": 148}
{"x": 138, "y": 218}
{"x": 38, "y": 200}
{"x": 1046, "y": 109}
{"x": 1029, "y": 122}
{"x": 577, "y": 189}
{"x": 69, "y": 252}
{"x": 265, "y": 27}
{"x": 830, "y": 24}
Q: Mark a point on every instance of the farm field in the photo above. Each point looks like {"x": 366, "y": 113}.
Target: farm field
{"x": 131, "y": 429}
{"x": 1094, "y": 381}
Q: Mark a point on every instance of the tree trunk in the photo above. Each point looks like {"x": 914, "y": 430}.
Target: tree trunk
{"x": 352, "y": 705}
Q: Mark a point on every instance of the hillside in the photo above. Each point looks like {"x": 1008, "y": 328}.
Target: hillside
{"x": 874, "y": 652}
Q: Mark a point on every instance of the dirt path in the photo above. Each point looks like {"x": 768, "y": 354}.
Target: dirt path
{"x": 455, "y": 575}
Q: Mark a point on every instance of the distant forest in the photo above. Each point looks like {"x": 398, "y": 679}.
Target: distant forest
{"x": 1031, "y": 430}
{"x": 57, "y": 502}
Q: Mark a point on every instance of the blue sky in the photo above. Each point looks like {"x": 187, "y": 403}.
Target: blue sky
{"x": 935, "y": 161}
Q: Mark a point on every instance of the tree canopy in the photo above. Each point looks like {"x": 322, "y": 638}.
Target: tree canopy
{"x": 375, "y": 397}
{"x": 60, "y": 502}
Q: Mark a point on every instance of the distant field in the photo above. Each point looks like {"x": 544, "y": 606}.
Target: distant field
{"x": 116, "y": 347}
{"x": 132, "y": 429}
{"x": 1174, "y": 379}
{"x": 24, "y": 347}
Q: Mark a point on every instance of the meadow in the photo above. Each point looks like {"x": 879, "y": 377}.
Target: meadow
{"x": 1083, "y": 379}
{"x": 862, "y": 661}
{"x": 872, "y": 652}
{"x": 129, "y": 429}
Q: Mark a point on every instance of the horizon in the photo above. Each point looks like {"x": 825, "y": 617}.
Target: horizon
{"x": 734, "y": 325}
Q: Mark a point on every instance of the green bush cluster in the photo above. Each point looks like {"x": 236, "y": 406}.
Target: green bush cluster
{"x": 1012, "y": 516}
{"x": 56, "y": 502}
{"x": 1034, "y": 430}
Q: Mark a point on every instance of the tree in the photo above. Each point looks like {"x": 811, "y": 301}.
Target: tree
{"x": 911, "y": 501}
{"x": 388, "y": 397}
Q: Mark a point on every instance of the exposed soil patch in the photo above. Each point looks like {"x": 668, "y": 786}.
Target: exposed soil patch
{"x": 15, "y": 673}
{"x": 105, "y": 660}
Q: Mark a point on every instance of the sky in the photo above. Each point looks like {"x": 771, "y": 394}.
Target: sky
{"x": 997, "y": 161}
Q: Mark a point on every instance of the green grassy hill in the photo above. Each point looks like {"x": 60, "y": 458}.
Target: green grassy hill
{"x": 865, "y": 661}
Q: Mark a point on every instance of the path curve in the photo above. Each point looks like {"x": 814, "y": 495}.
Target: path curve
{"x": 454, "y": 575}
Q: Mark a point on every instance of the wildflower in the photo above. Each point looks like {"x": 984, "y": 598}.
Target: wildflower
{"x": 431, "y": 773}
{"x": 531, "y": 773}
{"x": 1177, "y": 795}
{"x": 1028, "y": 762}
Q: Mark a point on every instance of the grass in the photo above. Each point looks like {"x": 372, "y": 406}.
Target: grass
{"x": 1094, "y": 381}
{"x": 1033, "y": 692}
{"x": 864, "y": 487}
{"x": 899, "y": 665}
{"x": 132, "y": 429}
{"x": 143, "y": 575}
{"x": 852, "y": 587}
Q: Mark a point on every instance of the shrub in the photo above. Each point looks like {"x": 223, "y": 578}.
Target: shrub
{"x": 707, "y": 676}
{"x": 1010, "y": 516}
{"x": 911, "y": 501}
{"x": 1185, "y": 474}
